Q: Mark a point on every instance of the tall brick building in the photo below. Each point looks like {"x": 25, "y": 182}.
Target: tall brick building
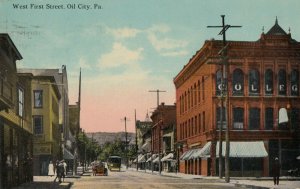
{"x": 263, "y": 84}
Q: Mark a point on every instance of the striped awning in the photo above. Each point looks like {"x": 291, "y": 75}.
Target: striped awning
{"x": 151, "y": 157}
{"x": 68, "y": 154}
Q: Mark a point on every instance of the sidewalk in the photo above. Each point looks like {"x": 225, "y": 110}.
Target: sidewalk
{"x": 46, "y": 182}
{"x": 247, "y": 182}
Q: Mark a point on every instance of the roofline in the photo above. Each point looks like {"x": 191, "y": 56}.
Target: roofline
{"x": 5, "y": 35}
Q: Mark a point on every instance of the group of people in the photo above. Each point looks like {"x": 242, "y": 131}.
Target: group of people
{"x": 59, "y": 169}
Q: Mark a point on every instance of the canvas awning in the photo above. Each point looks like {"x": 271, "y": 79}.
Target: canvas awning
{"x": 146, "y": 146}
{"x": 167, "y": 157}
{"x": 68, "y": 154}
{"x": 155, "y": 160}
{"x": 139, "y": 156}
{"x": 151, "y": 158}
{"x": 142, "y": 159}
{"x": 186, "y": 155}
{"x": 298, "y": 157}
{"x": 238, "y": 149}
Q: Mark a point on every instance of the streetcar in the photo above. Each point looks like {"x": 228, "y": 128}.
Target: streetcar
{"x": 114, "y": 163}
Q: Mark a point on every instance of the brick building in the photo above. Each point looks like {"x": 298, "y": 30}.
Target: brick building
{"x": 263, "y": 84}
{"x": 163, "y": 140}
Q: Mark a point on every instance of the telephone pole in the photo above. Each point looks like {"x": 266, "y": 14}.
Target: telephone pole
{"x": 126, "y": 142}
{"x": 136, "y": 142}
{"x": 224, "y": 91}
{"x": 157, "y": 91}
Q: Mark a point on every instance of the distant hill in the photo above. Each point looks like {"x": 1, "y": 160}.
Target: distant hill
{"x": 103, "y": 137}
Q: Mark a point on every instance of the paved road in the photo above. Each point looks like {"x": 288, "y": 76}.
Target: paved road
{"x": 136, "y": 180}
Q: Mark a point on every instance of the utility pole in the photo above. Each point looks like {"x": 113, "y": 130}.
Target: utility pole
{"x": 224, "y": 88}
{"x": 136, "y": 142}
{"x": 159, "y": 138}
{"x": 157, "y": 91}
{"x": 126, "y": 142}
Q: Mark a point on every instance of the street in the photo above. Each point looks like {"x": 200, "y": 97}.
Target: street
{"x": 134, "y": 180}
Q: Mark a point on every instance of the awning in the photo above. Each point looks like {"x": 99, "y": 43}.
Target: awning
{"x": 151, "y": 158}
{"x": 139, "y": 156}
{"x": 187, "y": 155}
{"x": 146, "y": 146}
{"x": 240, "y": 149}
{"x": 142, "y": 159}
{"x": 298, "y": 157}
{"x": 168, "y": 157}
{"x": 68, "y": 154}
{"x": 156, "y": 160}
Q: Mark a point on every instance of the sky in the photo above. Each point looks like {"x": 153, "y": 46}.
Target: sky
{"x": 127, "y": 47}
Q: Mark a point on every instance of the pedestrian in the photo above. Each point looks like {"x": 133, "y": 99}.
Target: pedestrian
{"x": 59, "y": 171}
{"x": 276, "y": 171}
{"x": 65, "y": 169}
{"x": 50, "y": 169}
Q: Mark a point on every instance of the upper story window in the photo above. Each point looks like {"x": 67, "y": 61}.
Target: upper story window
{"x": 221, "y": 111}
{"x": 294, "y": 83}
{"x": 238, "y": 82}
{"x": 38, "y": 124}
{"x": 218, "y": 82}
{"x": 269, "y": 82}
{"x": 282, "y": 82}
{"x": 238, "y": 118}
{"x": 254, "y": 82}
{"x": 38, "y": 98}
{"x": 20, "y": 102}
{"x": 295, "y": 118}
{"x": 254, "y": 118}
{"x": 269, "y": 118}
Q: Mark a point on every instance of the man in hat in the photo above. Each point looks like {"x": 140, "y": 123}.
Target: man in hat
{"x": 276, "y": 171}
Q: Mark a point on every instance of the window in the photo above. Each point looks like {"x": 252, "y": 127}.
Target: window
{"x": 203, "y": 119}
{"x": 269, "y": 122}
{"x": 219, "y": 117}
{"x": 203, "y": 89}
{"x": 269, "y": 82}
{"x": 218, "y": 82}
{"x": 294, "y": 83}
{"x": 253, "y": 83}
{"x": 199, "y": 90}
{"x": 38, "y": 98}
{"x": 295, "y": 118}
{"x": 281, "y": 82}
{"x": 38, "y": 125}
{"x": 238, "y": 118}
{"x": 254, "y": 118}
{"x": 20, "y": 102}
{"x": 238, "y": 83}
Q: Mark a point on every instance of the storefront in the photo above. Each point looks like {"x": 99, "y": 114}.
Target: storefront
{"x": 16, "y": 154}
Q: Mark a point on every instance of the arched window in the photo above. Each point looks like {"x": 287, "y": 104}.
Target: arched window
{"x": 238, "y": 82}
{"x": 218, "y": 82}
{"x": 269, "y": 82}
{"x": 282, "y": 82}
{"x": 253, "y": 82}
{"x": 294, "y": 83}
